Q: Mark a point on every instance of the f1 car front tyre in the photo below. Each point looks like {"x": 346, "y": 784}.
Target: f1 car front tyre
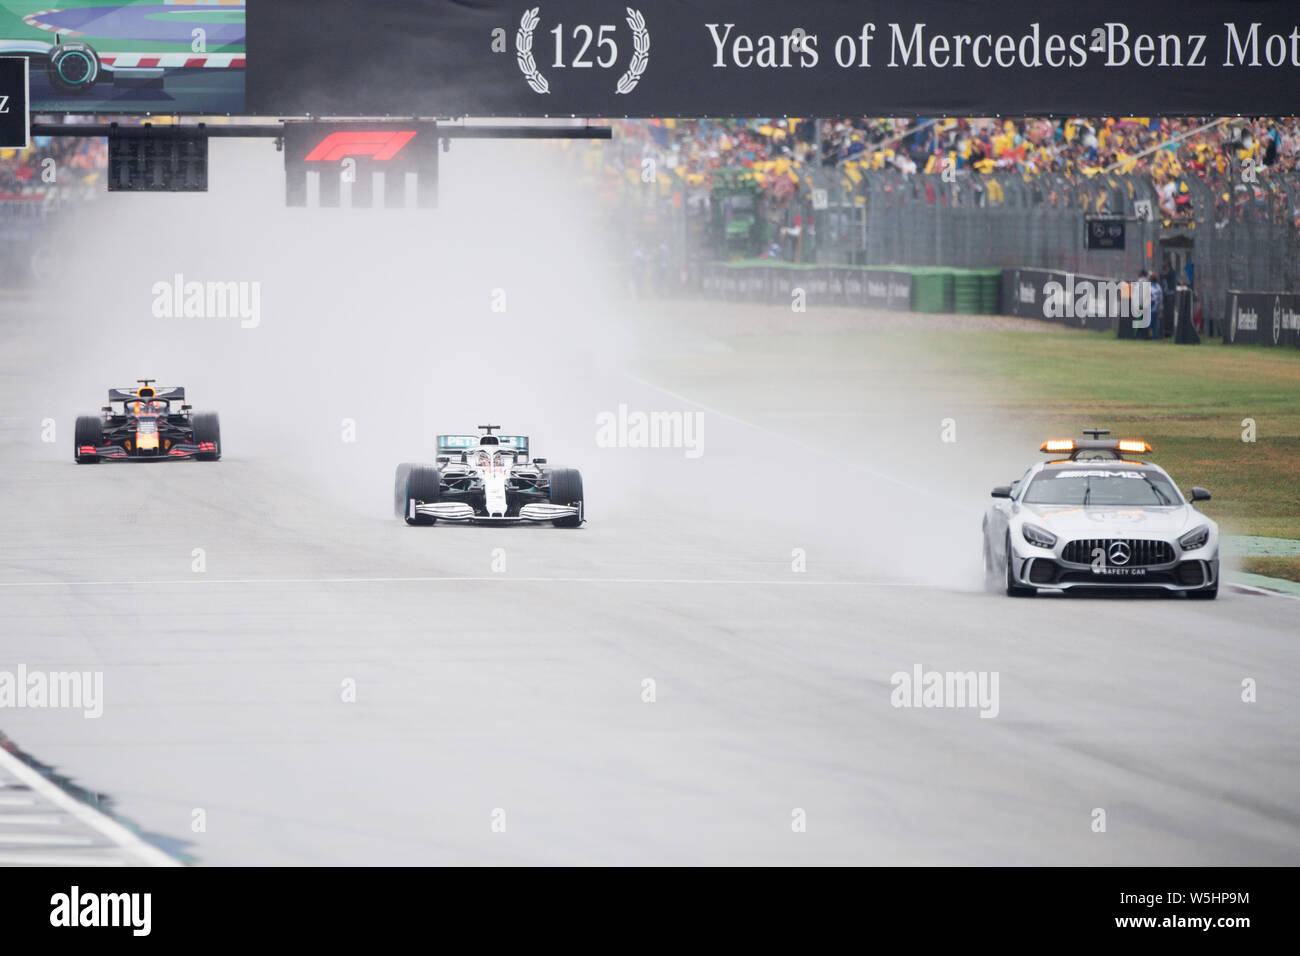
{"x": 566, "y": 489}
{"x": 422, "y": 484}
{"x": 88, "y": 433}
{"x": 399, "y": 487}
{"x": 1014, "y": 589}
{"x": 207, "y": 428}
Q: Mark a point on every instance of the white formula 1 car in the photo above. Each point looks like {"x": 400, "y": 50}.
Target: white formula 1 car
{"x": 1094, "y": 516}
{"x": 487, "y": 479}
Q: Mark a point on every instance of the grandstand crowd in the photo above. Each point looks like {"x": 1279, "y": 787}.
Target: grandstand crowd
{"x": 778, "y": 152}
{"x": 78, "y": 163}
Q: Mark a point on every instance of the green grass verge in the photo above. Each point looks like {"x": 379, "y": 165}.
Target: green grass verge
{"x": 1285, "y": 568}
{"x": 1188, "y": 401}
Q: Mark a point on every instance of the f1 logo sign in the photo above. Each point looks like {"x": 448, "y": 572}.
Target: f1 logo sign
{"x": 397, "y": 157}
{"x": 379, "y": 145}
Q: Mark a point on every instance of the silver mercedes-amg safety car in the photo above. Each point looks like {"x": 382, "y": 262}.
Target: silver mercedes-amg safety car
{"x": 1098, "y": 516}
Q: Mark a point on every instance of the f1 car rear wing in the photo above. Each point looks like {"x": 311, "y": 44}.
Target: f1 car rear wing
{"x": 458, "y": 444}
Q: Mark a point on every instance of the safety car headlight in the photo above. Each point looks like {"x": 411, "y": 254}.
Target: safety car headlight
{"x": 1038, "y": 537}
{"x": 1194, "y": 539}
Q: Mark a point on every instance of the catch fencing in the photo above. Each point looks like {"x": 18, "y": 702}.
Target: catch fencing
{"x": 1239, "y": 230}
{"x": 980, "y": 221}
{"x": 1223, "y": 231}
{"x": 1246, "y": 235}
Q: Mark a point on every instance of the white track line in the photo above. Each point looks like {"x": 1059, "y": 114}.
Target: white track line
{"x": 110, "y": 829}
{"x": 200, "y": 580}
{"x": 502, "y": 578}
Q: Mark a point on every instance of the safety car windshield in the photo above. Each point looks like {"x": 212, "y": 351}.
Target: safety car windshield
{"x": 1100, "y": 486}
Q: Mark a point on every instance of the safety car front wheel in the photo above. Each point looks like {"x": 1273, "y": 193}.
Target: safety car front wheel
{"x": 1013, "y": 588}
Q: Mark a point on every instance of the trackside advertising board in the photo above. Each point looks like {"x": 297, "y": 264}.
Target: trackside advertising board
{"x": 1079, "y": 301}
{"x": 1262, "y": 318}
{"x": 817, "y": 285}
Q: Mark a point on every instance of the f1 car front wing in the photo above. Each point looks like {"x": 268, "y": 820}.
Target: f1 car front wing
{"x": 459, "y": 511}
{"x": 177, "y": 451}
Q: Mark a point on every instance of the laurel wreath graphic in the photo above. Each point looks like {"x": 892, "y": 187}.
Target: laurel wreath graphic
{"x": 640, "y": 55}
{"x": 524, "y": 51}
{"x": 528, "y": 65}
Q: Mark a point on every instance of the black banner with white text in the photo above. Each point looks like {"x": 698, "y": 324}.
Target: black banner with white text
{"x": 336, "y": 908}
{"x": 1262, "y": 318}
{"x": 589, "y": 58}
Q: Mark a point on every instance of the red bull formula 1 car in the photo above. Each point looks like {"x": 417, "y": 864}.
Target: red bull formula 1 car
{"x": 154, "y": 424}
